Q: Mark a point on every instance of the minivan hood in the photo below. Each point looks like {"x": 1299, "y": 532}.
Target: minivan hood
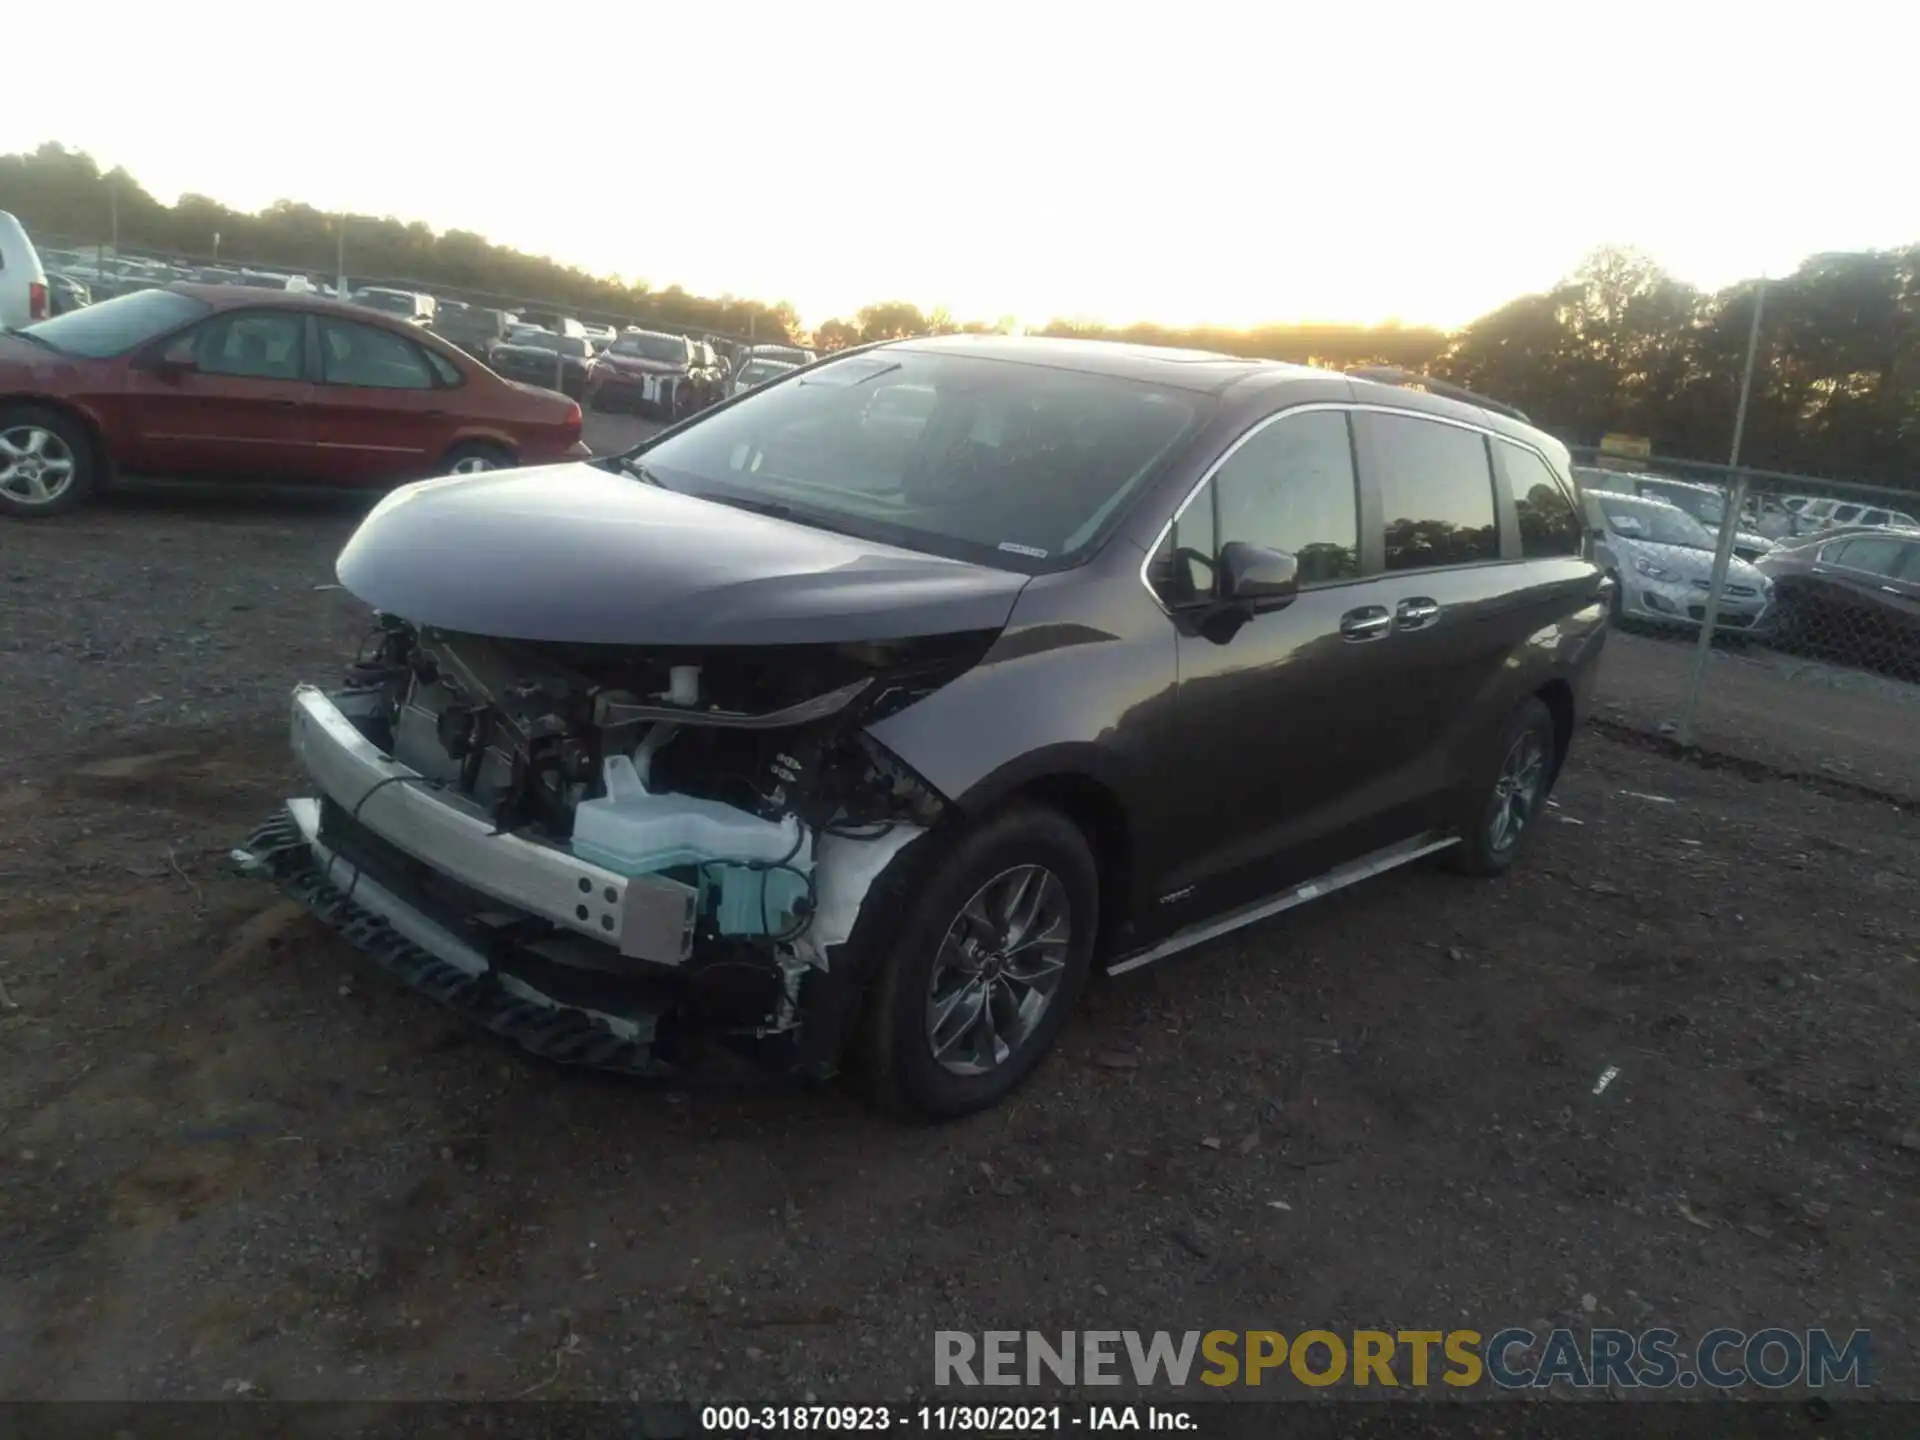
{"x": 573, "y": 554}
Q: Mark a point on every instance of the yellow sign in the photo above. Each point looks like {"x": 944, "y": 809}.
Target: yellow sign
{"x": 1637, "y": 447}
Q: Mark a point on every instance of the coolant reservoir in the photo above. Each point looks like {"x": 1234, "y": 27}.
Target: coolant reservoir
{"x": 635, "y": 832}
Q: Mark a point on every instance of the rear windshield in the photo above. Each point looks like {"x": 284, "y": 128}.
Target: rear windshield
{"x": 116, "y": 326}
{"x": 1012, "y": 465}
{"x": 388, "y": 301}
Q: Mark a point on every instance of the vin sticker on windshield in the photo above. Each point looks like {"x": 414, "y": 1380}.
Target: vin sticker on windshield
{"x": 1027, "y": 550}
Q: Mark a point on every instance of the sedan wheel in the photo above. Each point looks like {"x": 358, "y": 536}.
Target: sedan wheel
{"x": 475, "y": 459}
{"x": 47, "y": 463}
{"x": 37, "y": 467}
{"x": 998, "y": 970}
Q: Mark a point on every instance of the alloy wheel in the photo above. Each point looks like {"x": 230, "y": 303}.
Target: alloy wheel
{"x": 36, "y": 465}
{"x": 1517, "y": 792}
{"x": 472, "y": 465}
{"x": 998, "y": 969}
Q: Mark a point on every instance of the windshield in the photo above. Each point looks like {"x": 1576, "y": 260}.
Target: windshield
{"x": 116, "y": 326}
{"x": 546, "y": 340}
{"x": 388, "y": 301}
{"x": 1007, "y": 464}
{"x": 1703, "y": 505}
{"x": 652, "y": 347}
{"x": 1662, "y": 524}
{"x": 761, "y": 371}
{"x": 781, "y": 355}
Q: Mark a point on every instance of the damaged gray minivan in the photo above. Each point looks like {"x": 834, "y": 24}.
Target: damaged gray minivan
{"x": 870, "y": 711}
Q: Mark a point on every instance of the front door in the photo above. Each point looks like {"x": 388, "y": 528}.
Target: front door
{"x": 1283, "y": 718}
{"x": 227, "y": 400}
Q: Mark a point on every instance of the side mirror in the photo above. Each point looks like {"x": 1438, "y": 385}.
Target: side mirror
{"x": 1628, "y": 525}
{"x": 1256, "y": 576}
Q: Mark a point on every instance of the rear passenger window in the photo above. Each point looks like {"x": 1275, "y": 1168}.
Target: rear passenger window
{"x": 1548, "y": 525}
{"x": 354, "y": 354}
{"x": 1436, "y": 493}
{"x": 1290, "y": 487}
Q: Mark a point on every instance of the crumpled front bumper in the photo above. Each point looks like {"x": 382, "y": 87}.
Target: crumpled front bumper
{"x": 569, "y": 960}
{"x": 426, "y": 886}
{"x": 430, "y": 958}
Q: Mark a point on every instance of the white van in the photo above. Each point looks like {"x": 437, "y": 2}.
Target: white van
{"x": 23, "y": 281}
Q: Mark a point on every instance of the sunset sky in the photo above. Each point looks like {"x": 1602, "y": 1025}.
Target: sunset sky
{"x": 1195, "y": 163}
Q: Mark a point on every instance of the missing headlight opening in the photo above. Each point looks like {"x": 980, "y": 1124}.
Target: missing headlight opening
{"x": 605, "y": 852}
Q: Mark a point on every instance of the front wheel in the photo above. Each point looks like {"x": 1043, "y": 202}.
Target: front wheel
{"x": 991, "y": 956}
{"x": 46, "y": 463}
{"x": 1508, "y": 793}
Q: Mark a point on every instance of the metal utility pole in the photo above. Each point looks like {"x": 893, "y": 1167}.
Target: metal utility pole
{"x": 340, "y": 255}
{"x": 1729, "y": 524}
{"x": 216, "y": 247}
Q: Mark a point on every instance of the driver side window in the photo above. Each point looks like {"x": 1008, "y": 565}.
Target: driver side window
{"x": 1290, "y": 486}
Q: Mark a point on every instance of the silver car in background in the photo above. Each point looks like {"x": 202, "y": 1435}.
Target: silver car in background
{"x": 1661, "y": 561}
{"x": 1705, "y": 503}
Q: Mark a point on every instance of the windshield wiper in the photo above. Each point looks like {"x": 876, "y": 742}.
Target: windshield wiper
{"x": 780, "y": 510}
{"x": 639, "y": 471}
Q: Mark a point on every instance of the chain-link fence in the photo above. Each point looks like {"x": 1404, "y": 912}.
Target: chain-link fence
{"x": 1811, "y": 587}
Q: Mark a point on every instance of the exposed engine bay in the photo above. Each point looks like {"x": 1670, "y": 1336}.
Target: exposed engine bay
{"x": 729, "y": 803}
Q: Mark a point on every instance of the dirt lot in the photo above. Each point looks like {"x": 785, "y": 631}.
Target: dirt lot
{"x": 232, "y": 1152}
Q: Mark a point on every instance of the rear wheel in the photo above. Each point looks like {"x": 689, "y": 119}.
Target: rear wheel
{"x": 475, "y": 458}
{"x": 1509, "y": 793}
{"x": 46, "y": 463}
{"x": 990, "y": 958}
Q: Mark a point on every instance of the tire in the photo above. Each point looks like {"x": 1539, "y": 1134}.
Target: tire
{"x": 475, "y": 457}
{"x": 981, "y": 869}
{"x": 1617, "y": 605}
{"x": 47, "y": 463}
{"x": 1527, "y": 749}
{"x": 1789, "y": 631}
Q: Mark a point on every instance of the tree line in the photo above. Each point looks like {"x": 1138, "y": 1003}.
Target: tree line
{"x": 1619, "y": 345}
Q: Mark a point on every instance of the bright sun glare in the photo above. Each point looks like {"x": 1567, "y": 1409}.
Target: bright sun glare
{"x": 1226, "y": 164}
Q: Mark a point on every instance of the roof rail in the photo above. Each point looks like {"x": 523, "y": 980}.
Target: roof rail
{"x": 1412, "y": 380}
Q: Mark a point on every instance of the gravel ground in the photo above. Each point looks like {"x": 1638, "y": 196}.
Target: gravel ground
{"x": 230, "y": 1151}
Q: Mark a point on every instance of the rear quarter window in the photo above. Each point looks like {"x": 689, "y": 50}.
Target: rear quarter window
{"x": 1549, "y": 525}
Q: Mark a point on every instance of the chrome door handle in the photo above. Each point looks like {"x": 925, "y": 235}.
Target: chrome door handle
{"x": 1416, "y": 614}
{"x": 1891, "y": 589}
{"x": 1369, "y": 622}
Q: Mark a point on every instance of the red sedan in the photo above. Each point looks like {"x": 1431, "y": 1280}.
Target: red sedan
{"x": 219, "y": 382}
